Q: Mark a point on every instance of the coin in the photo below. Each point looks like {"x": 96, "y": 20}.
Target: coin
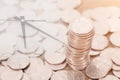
{"x": 99, "y": 42}
{"x": 112, "y": 22}
{"x": 114, "y": 39}
{"x": 11, "y": 74}
{"x": 56, "y": 67}
{"x": 18, "y": 61}
{"x": 116, "y": 67}
{"x": 75, "y": 75}
{"x": 60, "y": 75}
{"x": 35, "y": 64}
{"x": 70, "y": 15}
{"x": 101, "y": 27}
{"x": 31, "y": 46}
{"x": 109, "y": 77}
{"x": 78, "y": 75}
{"x": 43, "y": 73}
{"x": 54, "y": 57}
{"x": 6, "y": 53}
{"x": 51, "y": 45}
{"x": 116, "y": 73}
{"x": 108, "y": 52}
{"x": 98, "y": 68}
{"x": 94, "y": 53}
{"x": 100, "y": 13}
{"x": 116, "y": 57}
{"x": 38, "y": 53}
{"x": 8, "y": 40}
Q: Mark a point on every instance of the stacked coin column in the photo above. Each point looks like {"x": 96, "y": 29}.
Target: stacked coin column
{"x": 80, "y": 36}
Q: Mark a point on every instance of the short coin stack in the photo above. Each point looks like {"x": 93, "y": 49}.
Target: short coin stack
{"x": 80, "y": 37}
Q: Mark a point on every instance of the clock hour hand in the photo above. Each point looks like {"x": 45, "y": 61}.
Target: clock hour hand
{"x": 23, "y": 30}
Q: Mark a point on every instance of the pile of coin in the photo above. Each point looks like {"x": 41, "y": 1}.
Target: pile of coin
{"x": 80, "y": 37}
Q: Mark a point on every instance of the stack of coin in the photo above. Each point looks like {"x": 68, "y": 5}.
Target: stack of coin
{"x": 80, "y": 37}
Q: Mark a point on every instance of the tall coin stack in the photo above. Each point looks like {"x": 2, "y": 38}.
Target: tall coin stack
{"x": 80, "y": 37}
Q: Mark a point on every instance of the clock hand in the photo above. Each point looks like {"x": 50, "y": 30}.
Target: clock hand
{"x": 32, "y": 26}
{"x": 23, "y": 30}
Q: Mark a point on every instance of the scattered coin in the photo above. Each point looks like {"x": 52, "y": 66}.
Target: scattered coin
{"x": 99, "y": 42}
{"x": 98, "y": 68}
{"x": 8, "y": 74}
{"x": 101, "y": 27}
{"x": 100, "y": 13}
{"x": 78, "y": 75}
{"x": 51, "y": 45}
{"x": 56, "y": 67}
{"x": 114, "y": 39}
{"x": 114, "y": 24}
{"x": 43, "y": 73}
{"x": 6, "y": 53}
{"x": 31, "y": 46}
{"x": 18, "y": 61}
{"x": 38, "y": 53}
{"x": 116, "y": 73}
{"x": 54, "y": 57}
{"x": 109, "y": 77}
{"x": 60, "y": 75}
{"x": 108, "y": 52}
{"x": 35, "y": 64}
{"x": 81, "y": 28}
{"x": 116, "y": 57}
{"x": 8, "y": 40}
{"x": 116, "y": 67}
{"x": 94, "y": 53}
{"x": 69, "y": 16}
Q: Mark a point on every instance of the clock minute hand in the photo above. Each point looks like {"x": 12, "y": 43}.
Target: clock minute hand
{"x": 23, "y": 30}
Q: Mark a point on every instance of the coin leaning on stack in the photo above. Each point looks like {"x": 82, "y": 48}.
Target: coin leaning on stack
{"x": 80, "y": 37}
